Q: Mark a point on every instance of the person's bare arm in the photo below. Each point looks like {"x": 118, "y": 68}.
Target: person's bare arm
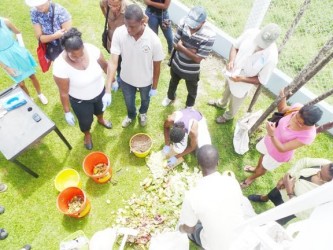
{"x": 162, "y": 6}
{"x": 49, "y": 38}
{"x": 282, "y": 147}
{"x": 283, "y": 106}
{"x": 63, "y": 86}
{"x": 191, "y": 53}
{"x": 156, "y": 73}
{"x": 167, "y": 125}
{"x": 232, "y": 55}
{"x": 111, "y": 71}
{"x": 103, "y": 7}
{"x": 252, "y": 80}
{"x": 11, "y": 26}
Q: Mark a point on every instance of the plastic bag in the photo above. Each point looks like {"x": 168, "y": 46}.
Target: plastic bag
{"x": 241, "y": 137}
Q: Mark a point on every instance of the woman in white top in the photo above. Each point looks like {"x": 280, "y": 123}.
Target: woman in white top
{"x": 78, "y": 72}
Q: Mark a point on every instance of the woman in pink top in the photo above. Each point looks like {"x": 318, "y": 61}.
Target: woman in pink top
{"x": 278, "y": 146}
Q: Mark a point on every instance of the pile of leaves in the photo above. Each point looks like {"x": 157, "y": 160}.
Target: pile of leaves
{"x": 157, "y": 208}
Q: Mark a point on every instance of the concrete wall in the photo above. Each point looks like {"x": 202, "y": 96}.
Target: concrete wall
{"x": 278, "y": 79}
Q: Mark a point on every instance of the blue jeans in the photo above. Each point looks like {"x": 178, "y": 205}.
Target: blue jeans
{"x": 155, "y": 21}
{"x": 129, "y": 93}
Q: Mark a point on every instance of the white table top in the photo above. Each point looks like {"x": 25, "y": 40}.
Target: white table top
{"x": 18, "y": 129}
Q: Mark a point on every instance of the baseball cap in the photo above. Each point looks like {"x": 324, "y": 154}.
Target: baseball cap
{"x": 34, "y": 3}
{"x": 195, "y": 17}
{"x": 268, "y": 35}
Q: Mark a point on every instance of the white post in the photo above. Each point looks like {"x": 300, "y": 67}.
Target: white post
{"x": 257, "y": 14}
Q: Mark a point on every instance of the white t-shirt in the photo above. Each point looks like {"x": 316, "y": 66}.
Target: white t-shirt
{"x": 247, "y": 63}
{"x": 83, "y": 84}
{"x": 216, "y": 202}
{"x": 137, "y": 55}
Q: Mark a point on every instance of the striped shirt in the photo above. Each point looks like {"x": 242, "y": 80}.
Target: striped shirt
{"x": 202, "y": 41}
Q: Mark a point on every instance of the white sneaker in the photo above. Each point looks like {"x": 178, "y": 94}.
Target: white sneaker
{"x": 126, "y": 122}
{"x": 43, "y": 99}
{"x": 143, "y": 119}
{"x": 166, "y": 102}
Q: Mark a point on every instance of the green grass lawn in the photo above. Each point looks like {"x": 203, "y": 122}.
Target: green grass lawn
{"x": 31, "y": 215}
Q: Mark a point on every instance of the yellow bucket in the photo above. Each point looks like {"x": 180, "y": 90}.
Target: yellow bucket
{"x": 67, "y": 178}
{"x": 141, "y": 144}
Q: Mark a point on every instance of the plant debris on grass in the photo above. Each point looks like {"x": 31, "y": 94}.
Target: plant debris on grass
{"x": 157, "y": 208}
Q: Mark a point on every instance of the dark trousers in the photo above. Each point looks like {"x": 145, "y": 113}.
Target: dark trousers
{"x": 86, "y": 109}
{"x": 275, "y": 196}
{"x": 195, "y": 236}
{"x": 191, "y": 85}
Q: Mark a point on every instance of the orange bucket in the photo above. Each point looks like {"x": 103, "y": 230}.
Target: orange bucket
{"x": 73, "y": 202}
{"x": 93, "y": 161}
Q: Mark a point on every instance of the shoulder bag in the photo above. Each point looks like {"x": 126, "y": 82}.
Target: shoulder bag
{"x": 105, "y": 32}
{"x": 53, "y": 49}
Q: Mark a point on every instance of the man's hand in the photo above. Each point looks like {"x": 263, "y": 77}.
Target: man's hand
{"x": 70, "y": 118}
{"x": 172, "y": 161}
{"x": 236, "y": 78}
{"x": 106, "y": 100}
{"x": 152, "y": 92}
{"x": 289, "y": 183}
{"x": 60, "y": 33}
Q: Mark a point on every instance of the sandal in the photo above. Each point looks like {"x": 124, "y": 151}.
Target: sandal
{"x": 249, "y": 169}
{"x": 3, "y": 234}
{"x": 221, "y": 120}
{"x": 215, "y": 103}
{"x": 255, "y": 198}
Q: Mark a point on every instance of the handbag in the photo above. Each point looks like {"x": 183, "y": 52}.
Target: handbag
{"x": 54, "y": 48}
{"x": 105, "y": 32}
{"x": 41, "y": 54}
{"x": 276, "y": 117}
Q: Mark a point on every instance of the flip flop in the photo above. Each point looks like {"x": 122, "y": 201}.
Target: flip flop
{"x": 3, "y": 234}
{"x": 249, "y": 169}
{"x": 255, "y": 198}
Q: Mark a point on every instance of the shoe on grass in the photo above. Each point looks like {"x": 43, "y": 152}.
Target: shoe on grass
{"x": 126, "y": 122}
{"x": 143, "y": 119}
{"x": 43, "y": 99}
{"x": 3, "y": 187}
{"x": 3, "y": 234}
{"x": 26, "y": 247}
{"x": 255, "y": 198}
{"x": 2, "y": 209}
{"x": 166, "y": 102}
